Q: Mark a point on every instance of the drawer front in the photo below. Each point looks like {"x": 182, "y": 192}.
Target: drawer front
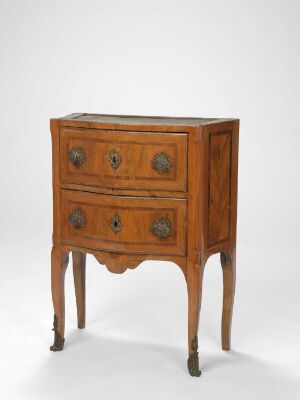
{"x": 131, "y": 160}
{"x": 123, "y": 224}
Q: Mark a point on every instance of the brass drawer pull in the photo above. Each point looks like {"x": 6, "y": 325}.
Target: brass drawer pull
{"x": 162, "y": 162}
{"x": 77, "y": 156}
{"x": 116, "y": 224}
{"x": 114, "y": 159}
{"x": 161, "y": 227}
{"x": 77, "y": 218}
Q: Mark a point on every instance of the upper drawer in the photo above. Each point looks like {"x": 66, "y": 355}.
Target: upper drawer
{"x": 131, "y": 160}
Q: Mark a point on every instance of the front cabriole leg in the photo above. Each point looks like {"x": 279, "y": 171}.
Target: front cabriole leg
{"x": 193, "y": 360}
{"x": 59, "y": 263}
{"x": 59, "y": 342}
{"x": 194, "y": 285}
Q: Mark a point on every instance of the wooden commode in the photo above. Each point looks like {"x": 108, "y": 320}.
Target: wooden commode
{"x": 128, "y": 189}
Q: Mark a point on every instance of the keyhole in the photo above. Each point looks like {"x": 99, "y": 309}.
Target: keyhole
{"x": 116, "y": 224}
{"x": 114, "y": 159}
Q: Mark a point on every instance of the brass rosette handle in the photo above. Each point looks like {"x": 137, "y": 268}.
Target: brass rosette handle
{"x": 77, "y": 218}
{"x": 161, "y": 227}
{"x": 77, "y": 156}
{"x": 162, "y": 162}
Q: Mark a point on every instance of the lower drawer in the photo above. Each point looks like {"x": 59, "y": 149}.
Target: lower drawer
{"x": 123, "y": 224}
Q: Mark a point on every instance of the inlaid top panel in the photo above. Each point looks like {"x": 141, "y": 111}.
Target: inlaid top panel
{"x": 138, "y": 121}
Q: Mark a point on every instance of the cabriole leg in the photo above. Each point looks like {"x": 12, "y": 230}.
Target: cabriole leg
{"x": 79, "y": 262}
{"x": 59, "y": 263}
{"x": 228, "y": 266}
{"x": 194, "y": 285}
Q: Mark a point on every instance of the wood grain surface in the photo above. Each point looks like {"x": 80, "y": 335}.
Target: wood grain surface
{"x": 136, "y": 152}
{"x": 197, "y": 196}
{"x": 136, "y": 216}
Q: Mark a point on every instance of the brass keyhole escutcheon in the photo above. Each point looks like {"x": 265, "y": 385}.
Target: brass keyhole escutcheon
{"x": 115, "y": 223}
{"x": 114, "y": 159}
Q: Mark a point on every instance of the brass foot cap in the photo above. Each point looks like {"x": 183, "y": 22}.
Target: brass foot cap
{"x": 58, "y": 346}
{"x": 193, "y": 366}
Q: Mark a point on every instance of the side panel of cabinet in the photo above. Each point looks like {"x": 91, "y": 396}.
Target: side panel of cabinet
{"x": 222, "y": 184}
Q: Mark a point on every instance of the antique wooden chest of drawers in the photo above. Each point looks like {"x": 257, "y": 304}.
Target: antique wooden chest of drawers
{"x": 128, "y": 189}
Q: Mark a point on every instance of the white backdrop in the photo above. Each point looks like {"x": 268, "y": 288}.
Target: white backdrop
{"x": 180, "y": 58}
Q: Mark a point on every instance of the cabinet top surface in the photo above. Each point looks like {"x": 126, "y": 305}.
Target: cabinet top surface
{"x": 106, "y": 119}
